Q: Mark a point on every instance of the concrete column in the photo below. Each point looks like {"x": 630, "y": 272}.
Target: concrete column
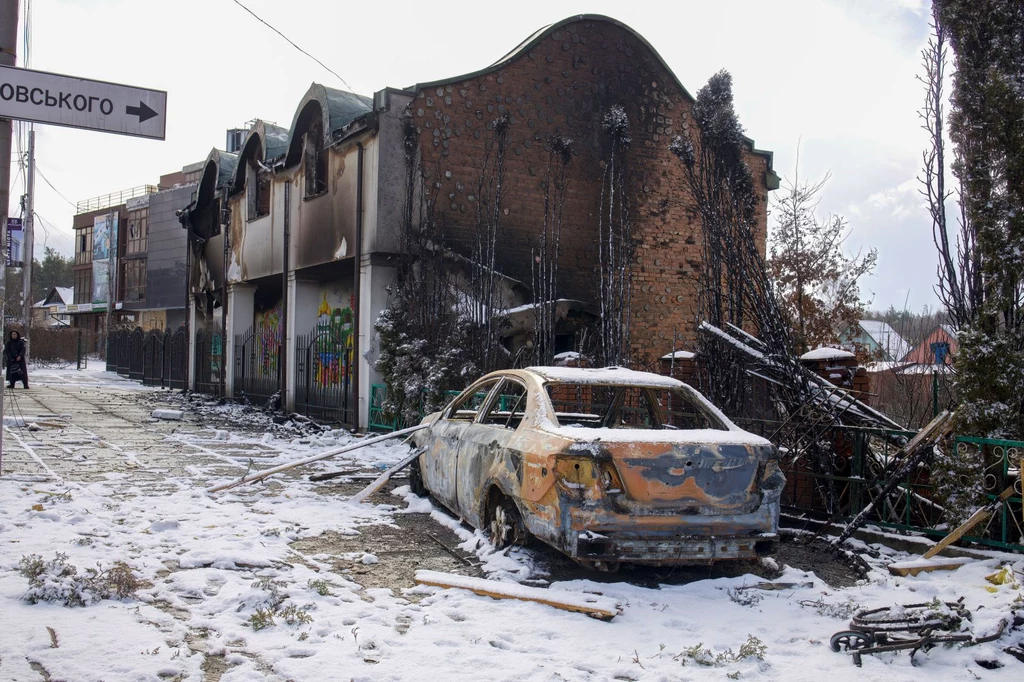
{"x": 289, "y": 341}
{"x": 190, "y": 380}
{"x": 302, "y": 311}
{"x": 375, "y": 279}
{"x": 241, "y": 305}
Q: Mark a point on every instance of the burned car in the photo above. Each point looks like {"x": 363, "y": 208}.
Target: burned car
{"x": 606, "y": 465}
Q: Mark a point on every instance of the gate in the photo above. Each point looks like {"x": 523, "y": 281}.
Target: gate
{"x": 136, "y": 350}
{"x": 176, "y": 353}
{"x": 116, "y": 339}
{"x": 153, "y": 365}
{"x": 209, "y": 362}
{"x": 258, "y": 363}
{"x": 323, "y": 378}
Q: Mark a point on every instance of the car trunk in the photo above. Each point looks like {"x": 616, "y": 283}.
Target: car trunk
{"x": 709, "y": 479}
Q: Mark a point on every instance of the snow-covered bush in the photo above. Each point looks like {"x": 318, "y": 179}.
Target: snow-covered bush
{"x": 57, "y": 580}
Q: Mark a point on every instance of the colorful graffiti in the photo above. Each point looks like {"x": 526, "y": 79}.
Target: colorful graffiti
{"x": 267, "y": 333}
{"x": 332, "y": 345}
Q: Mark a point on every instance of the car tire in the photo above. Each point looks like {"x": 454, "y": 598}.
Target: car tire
{"x": 504, "y": 523}
{"x": 416, "y": 479}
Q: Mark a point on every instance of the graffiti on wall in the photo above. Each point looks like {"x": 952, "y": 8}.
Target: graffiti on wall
{"x": 267, "y": 330}
{"x": 332, "y": 348}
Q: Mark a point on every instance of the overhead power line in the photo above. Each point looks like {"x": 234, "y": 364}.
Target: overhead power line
{"x": 290, "y": 42}
{"x": 59, "y": 193}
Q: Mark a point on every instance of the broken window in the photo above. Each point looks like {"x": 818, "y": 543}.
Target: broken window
{"x": 627, "y": 407}
{"x": 315, "y": 159}
{"x": 138, "y": 231}
{"x": 257, "y": 187}
{"x": 509, "y": 405}
{"x": 83, "y": 245}
{"x": 467, "y": 408}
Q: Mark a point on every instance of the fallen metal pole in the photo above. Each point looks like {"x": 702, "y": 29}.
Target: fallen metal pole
{"x": 259, "y": 476}
{"x": 382, "y": 479}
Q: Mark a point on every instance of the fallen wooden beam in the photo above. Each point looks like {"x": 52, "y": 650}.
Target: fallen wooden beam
{"x": 928, "y": 562}
{"x": 604, "y": 608}
{"x": 259, "y": 476}
{"x": 923, "y": 565}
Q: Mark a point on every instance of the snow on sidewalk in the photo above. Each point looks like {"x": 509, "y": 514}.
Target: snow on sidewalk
{"x": 230, "y": 598}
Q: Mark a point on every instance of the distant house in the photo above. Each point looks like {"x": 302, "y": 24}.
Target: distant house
{"x": 52, "y": 311}
{"x": 878, "y": 339}
{"x": 938, "y": 348}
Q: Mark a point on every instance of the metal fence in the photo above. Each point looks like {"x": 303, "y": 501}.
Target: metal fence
{"x": 323, "y": 376}
{"x": 258, "y": 363}
{"x": 154, "y": 358}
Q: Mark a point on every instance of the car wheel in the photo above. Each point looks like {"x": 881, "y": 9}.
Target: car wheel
{"x": 416, "y": 479}
{"x": 505, "y": 525}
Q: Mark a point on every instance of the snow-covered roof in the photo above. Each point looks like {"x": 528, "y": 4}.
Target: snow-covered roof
{"x": 886, "y": 337}
{"x": 605, "y": 376}
{"x": 826, "y": 353}
{"x": 679, "y": 355}
{"x": 67, "y": 294}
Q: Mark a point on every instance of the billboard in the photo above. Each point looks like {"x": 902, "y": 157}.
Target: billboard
{"x": 104, "y": 255}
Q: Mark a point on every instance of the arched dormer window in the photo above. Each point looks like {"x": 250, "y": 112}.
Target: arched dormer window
{"x": 315, "y": 158}
{"x": 257, "y": 189}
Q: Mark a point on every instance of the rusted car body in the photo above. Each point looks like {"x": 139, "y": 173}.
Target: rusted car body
{"x": 606, "y": 465}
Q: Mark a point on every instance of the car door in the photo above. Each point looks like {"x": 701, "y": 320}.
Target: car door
{"x": 439, "y": 462}
{"x": 483, "y": 453}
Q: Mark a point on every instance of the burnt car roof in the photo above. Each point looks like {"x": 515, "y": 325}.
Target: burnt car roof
{"x": 604, "y": 376}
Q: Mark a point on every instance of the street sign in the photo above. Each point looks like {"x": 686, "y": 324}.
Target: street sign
{"x": 44, "y": 97}
{"x": 14, "y": 242}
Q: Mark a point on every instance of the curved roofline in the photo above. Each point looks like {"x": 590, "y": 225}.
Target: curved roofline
{"x": 224, "y": 164}
{"x": 338, "y": 108}
{"x": 265, "y": 133}
{"x": 542, "y": 33}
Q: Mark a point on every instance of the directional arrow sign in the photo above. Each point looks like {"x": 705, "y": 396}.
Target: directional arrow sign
{"x": 81, "y": 103}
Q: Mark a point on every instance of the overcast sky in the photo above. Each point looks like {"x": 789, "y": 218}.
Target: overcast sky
{"x": 837, "y": 76}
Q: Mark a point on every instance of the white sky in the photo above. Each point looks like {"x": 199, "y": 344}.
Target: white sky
{"x": 836, "y": 75}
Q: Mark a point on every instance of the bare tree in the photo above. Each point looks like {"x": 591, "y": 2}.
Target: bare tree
{"x": 616, "y": 245}
{"x": 544, "y": 268}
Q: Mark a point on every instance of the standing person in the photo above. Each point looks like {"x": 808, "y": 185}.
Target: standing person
{"x": 14, "y": 359}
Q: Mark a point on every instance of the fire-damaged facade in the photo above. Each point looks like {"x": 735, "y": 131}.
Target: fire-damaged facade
{"x": 296, "y": 239}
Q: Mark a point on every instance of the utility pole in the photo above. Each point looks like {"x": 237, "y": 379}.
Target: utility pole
{"x": 28, "y": 250}
{"x": 8, "y": 55}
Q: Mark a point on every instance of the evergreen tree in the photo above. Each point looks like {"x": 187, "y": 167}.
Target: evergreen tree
{"x": 986, "y": 126}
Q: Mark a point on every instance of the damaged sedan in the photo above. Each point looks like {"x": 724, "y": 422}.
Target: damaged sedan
{"x": 605, "y": 465}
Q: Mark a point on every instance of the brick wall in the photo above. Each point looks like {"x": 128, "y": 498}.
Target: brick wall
{"x": 562, "y": 86}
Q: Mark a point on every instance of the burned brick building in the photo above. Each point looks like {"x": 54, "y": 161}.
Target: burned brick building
{"x": 316, "y": 212}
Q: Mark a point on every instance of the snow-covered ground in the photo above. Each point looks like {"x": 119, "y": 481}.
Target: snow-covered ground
{"x": 227, "y": 594}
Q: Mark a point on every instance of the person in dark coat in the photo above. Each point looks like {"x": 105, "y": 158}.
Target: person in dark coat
{"x": 14, "y": 359}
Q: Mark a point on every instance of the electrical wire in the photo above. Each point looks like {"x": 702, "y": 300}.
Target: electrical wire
{"x": 262, "y": 21}
{"x": 59, "y": 193}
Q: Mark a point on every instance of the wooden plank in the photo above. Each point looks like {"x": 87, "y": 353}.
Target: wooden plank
{"x": 961, "y": 530}
{"x": 603, "y": 608}
{"x": 259, "y": 476}
{"x": 905, "y": 568}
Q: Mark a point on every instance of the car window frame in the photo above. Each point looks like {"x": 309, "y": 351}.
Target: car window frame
{"x": 472, "y": 390}
{"x": 492, "y": 398}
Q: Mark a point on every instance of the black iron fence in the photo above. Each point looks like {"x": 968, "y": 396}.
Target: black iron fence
{"x": 156, "y": 358}
{"x": 323, "y": 376}
{"x": 258, "y": 362}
